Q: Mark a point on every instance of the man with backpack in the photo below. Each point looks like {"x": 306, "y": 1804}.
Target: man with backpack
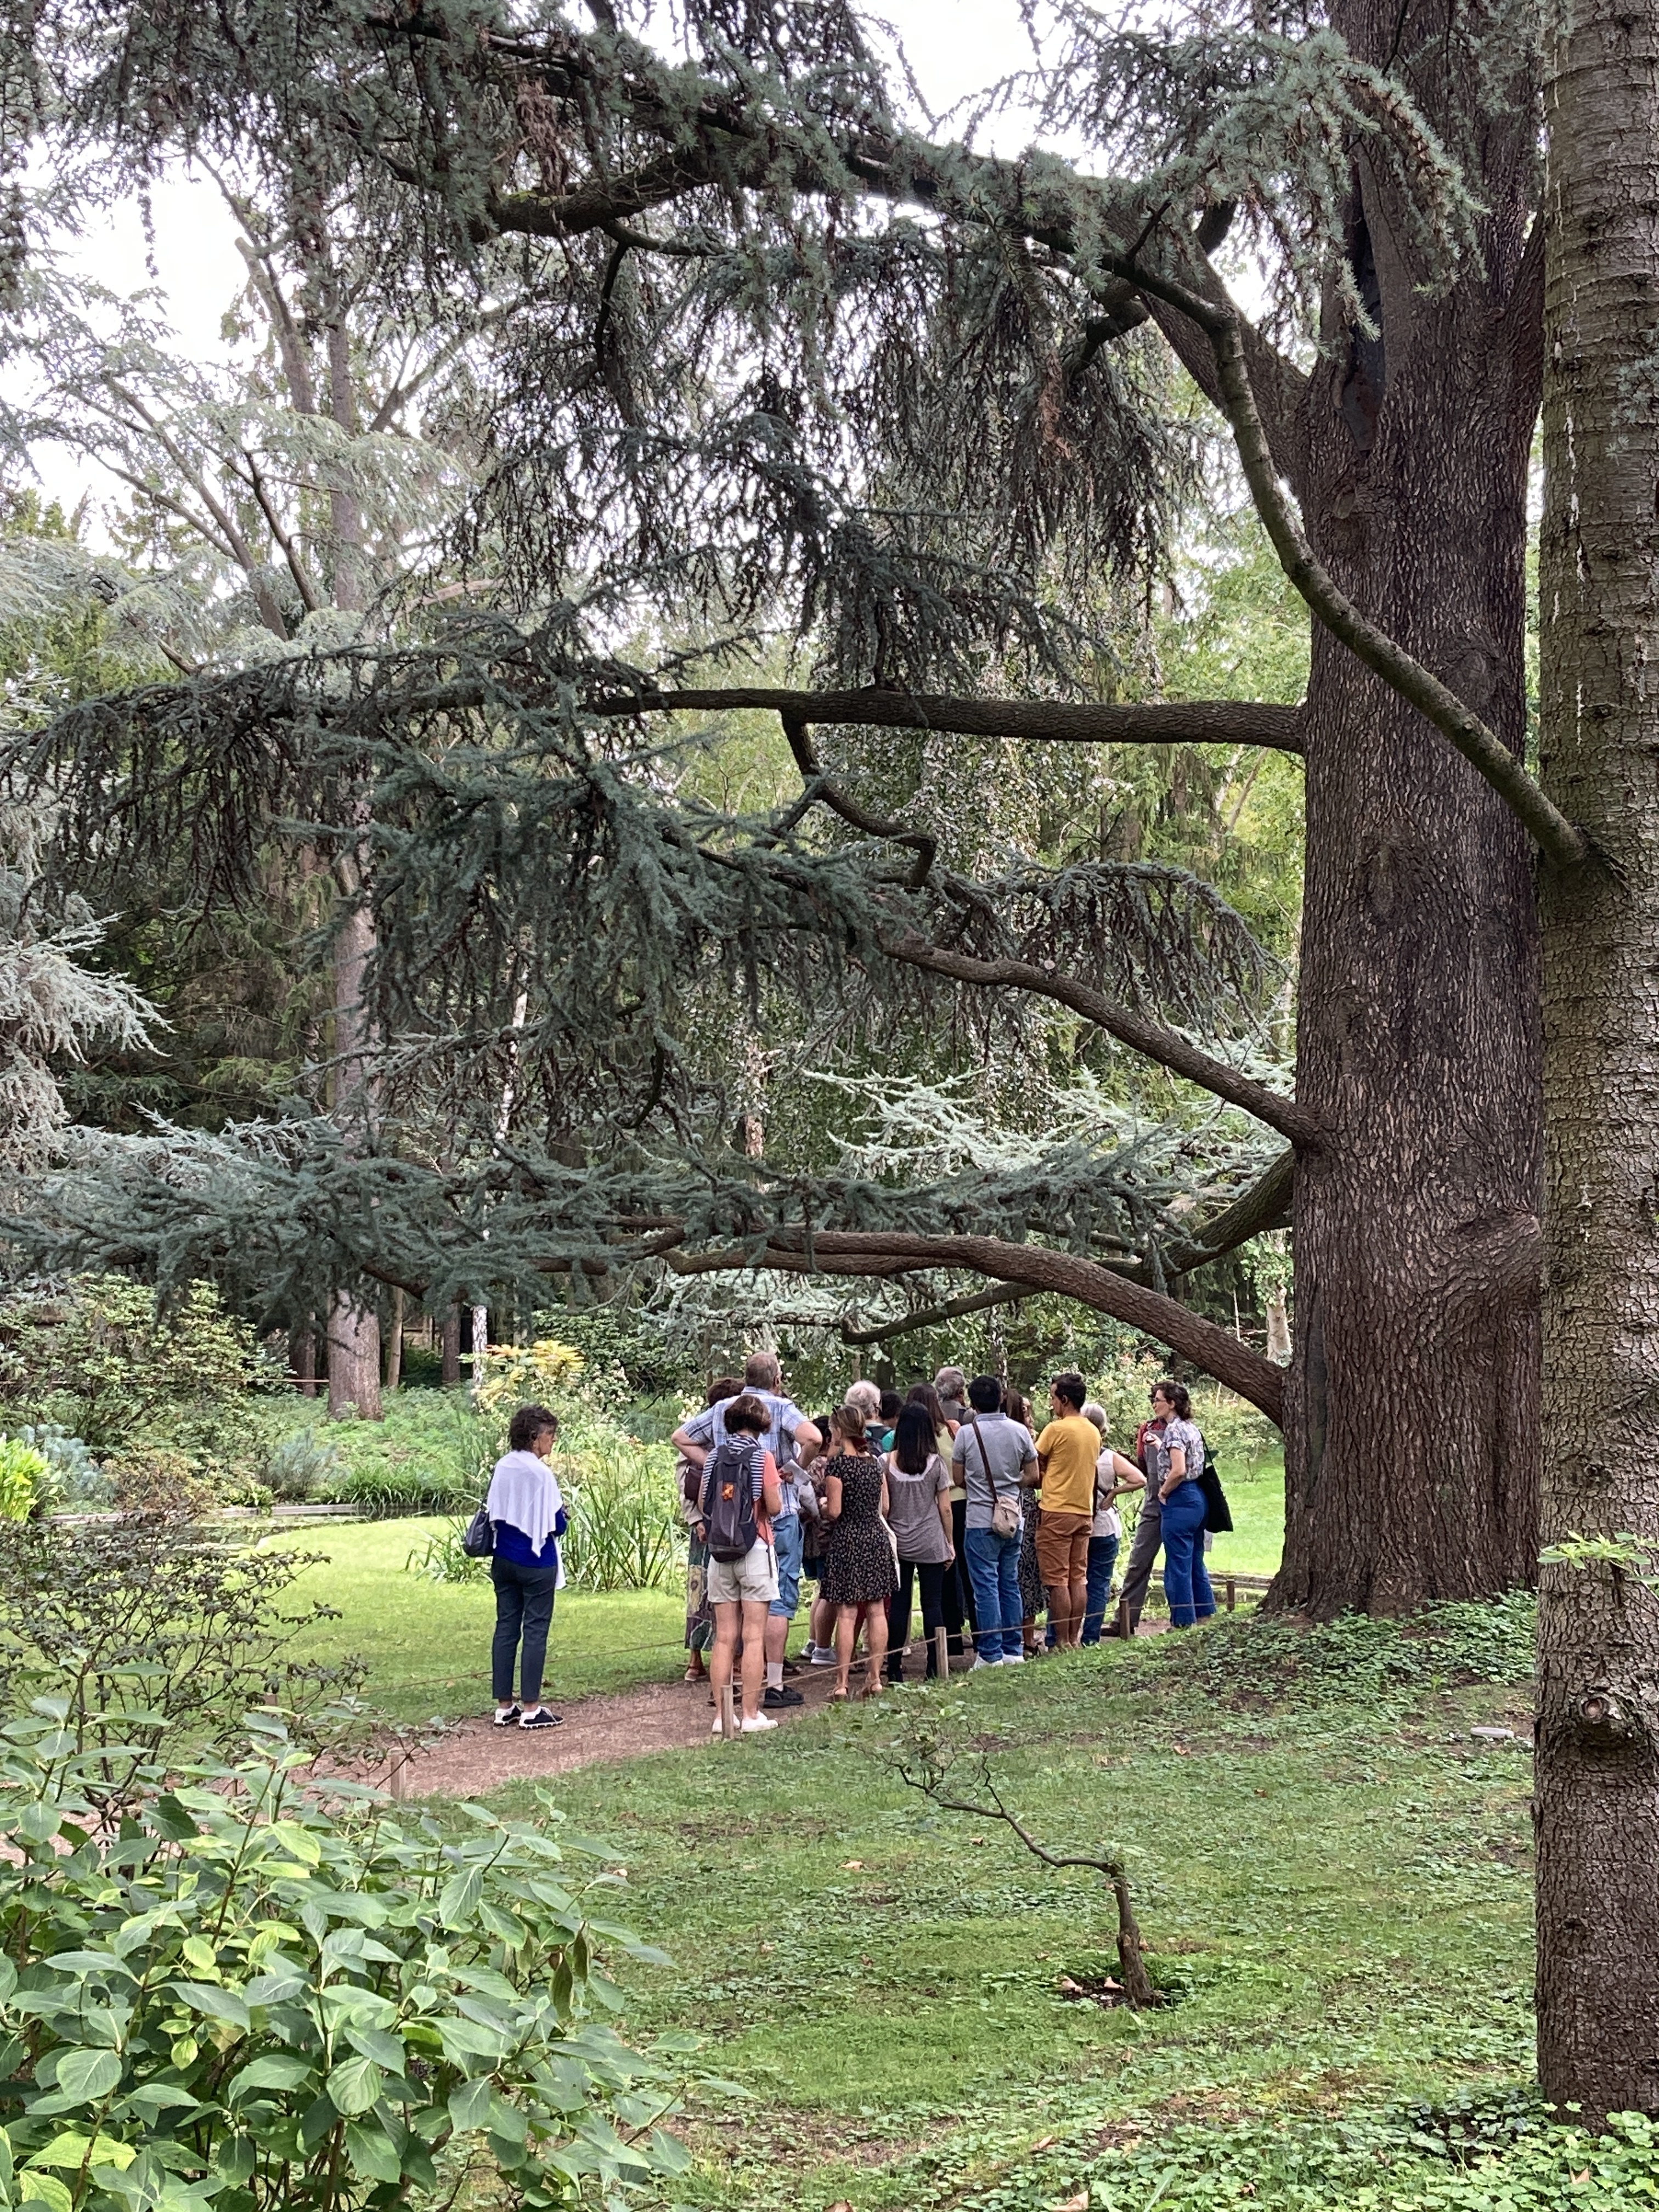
{"x": 739, "y": 1498}
{"x": 789, "y": 1437}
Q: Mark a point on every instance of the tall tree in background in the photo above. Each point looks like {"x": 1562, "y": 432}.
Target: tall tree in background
{"x": 1597, "y": 1735}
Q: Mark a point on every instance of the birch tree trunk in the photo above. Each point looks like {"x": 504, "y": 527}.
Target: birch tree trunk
{"x": 1597, "y": 1734}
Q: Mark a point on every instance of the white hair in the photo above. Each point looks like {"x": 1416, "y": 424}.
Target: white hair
{"x": 1095, "y": 1413}
{"x": 865, "y": 1397}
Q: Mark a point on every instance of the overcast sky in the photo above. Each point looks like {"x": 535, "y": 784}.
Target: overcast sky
{"x": 956, "y": 48}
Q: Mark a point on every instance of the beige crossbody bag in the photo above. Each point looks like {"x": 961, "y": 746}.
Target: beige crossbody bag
{"x": 1005, "y": 1508}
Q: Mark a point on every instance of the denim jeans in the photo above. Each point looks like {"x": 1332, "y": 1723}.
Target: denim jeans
{"x": 1102, "y": 1557}
{"x": 786, "y": 1543}
{"x": 524, "y": 1607}
{"x": 1185, "y": 1579}
{"x": 993, "y": 1563}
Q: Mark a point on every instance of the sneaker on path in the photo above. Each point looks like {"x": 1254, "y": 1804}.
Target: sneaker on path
{"x": 775, "y": 1697}
{"x": 823, "y": 1654}
{"x": 542, "y": 1718}
{"x": 754, "y": 1723}
{"x": 980, "y": 1662}
{"x": 507, "y": 1719}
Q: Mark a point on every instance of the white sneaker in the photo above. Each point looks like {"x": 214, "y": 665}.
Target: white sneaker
{"x": 1013, "y": 1658}
{"x": 978, "y": 1663}
{"x": 755, "y": 1722}
{"x": 822, "y": 1655}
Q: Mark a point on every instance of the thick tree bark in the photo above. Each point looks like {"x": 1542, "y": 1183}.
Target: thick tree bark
{"x": 1412, "y": 1406}
{"x": 1597, "y": 1735}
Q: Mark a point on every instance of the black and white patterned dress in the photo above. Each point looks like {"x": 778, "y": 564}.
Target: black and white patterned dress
{"x": 858, "y": 1565}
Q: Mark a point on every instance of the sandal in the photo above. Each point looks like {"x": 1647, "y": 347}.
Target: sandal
{"x": 871, "y": 1690}
{"x": 837, "y": 1697}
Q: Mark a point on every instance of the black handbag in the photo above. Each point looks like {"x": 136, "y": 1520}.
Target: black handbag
{"x": 478, "y": 1538}
{"x": 1217, "y": 1514}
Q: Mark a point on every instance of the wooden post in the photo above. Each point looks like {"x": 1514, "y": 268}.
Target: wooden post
{"x": 728, "y": 1713}
{"x": 1126, "y": 1627}
{"x": 942, "y": 1653}
{"x": 1228, "y": 1586}
{"x": 400, "y": 1773}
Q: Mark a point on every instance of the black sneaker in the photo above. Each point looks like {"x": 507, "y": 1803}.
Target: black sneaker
{"x": 783, "y": 1698}
{"x": 542, "y": 1719}
{"x": 507, "y": 1719}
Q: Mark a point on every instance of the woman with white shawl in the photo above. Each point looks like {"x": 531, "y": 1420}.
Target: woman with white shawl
{"x": 527, "y": 1512}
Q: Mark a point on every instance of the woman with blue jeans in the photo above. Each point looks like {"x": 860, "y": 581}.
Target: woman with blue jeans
{"x": 1177, "y": 1462}
{"x": 997, "y": 1461}
{"x": 527, "y": 1512}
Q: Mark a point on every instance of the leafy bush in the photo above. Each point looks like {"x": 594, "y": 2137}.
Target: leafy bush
{"x": 24, "y": 1475}
{"x": 301, "y": 1464}
{"x": 248, "y": 2001}
{"x": 432, "y": 1453}
{"x": 102, "y": 1360}
{"x": 545, "y": 1373}
{"x": 73, "y": 1482}
{"x": 443, "y": 1559}
{"x": 625, "y": 1528}
{"x": 153, "y": 1632}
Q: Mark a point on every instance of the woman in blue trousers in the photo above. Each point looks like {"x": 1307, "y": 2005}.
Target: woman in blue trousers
{"x": 1178, "y": 1461}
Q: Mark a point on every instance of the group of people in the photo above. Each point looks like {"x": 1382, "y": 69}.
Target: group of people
{"x": 953, "y": 1494}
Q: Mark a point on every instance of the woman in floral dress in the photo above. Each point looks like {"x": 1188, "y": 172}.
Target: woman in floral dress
{"x": 859, "y": 1570}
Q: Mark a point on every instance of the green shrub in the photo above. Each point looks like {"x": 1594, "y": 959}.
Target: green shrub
{"x": 73, "y": 1482}
{"x": 157, "y": 1633}
{"x": 301, "y": 1464}
{"x": 443, "y": 1559}
{"x": 625, "y": 1528}
{"x": 248, "y": 2001}
{"x": 24, "y": 1474}
{"x": 101, "y": 1358}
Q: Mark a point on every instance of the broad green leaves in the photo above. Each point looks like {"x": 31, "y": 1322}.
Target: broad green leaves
{"x": 243, "y": 2004}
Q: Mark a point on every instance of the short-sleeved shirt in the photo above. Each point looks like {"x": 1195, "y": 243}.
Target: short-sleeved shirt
{"x": 1068, "y": 1449}
{"x": 1012, "y": 1450}
{"x": 1177, "y": 1434}
{"x": 760, "y": 1460}
{"x": 709, "y": 1426}
{"x": 1107, "y": 1522}
{"x": 913, "y": 1511}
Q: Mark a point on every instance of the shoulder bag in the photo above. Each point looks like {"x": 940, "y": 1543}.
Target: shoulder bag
{"x": 1004, "y": 1509}
{"x": 478, "y": 1538}
{"x": 1217, "y": 1514}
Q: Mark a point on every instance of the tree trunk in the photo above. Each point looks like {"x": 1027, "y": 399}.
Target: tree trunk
{"x": 1412, "y": 1406}
{"x": 452, "y": 1348}
{"x": 394, "y": 1346}
{"x": 302, "y": 1358}
{"x": 354, "y": 1329}
{"x": 1597, "y": 1731}
{"x": 353, "y": 1359}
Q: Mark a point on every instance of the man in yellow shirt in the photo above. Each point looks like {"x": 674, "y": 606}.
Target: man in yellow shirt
{"x": 1066, "y": 1452}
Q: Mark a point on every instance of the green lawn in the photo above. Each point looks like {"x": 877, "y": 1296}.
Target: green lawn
{"x": 428, "y": 1643}
{"x": 1334, "y": 1883}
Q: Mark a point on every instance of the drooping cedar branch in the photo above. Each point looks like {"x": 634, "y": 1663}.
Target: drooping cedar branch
{"x": 911, "y": 1324}
{"x": 1042, "y": 721}
{"x": 1561, "y": 841}
{"x": 1141, "y": 1036}
{"x": 1265, "y": 1205}
{"x": 1036, "y": 1266}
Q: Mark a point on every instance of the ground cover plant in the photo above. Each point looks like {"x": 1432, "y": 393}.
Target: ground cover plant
{"x": 1330, "y": 1871}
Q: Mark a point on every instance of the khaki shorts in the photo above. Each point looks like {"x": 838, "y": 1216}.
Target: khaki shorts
{"x": 751, "y": 1580}
{"x": 1062, "y": 1548}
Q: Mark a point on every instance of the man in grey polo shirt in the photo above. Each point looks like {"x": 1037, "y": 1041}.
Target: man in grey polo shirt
{"x": 791, "y": 1435}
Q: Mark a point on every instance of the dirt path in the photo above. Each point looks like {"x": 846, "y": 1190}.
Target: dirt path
{"x": 661, "y": 1717}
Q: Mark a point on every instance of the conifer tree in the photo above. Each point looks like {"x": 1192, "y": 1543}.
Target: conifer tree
{"x": 807, "y": 368}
